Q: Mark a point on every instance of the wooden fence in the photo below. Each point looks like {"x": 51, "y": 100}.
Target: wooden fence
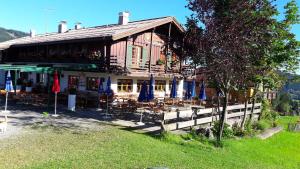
{"x": 192, "y": 117}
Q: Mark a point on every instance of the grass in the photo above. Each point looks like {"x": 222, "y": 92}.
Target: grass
{"x": 114, "y": 147}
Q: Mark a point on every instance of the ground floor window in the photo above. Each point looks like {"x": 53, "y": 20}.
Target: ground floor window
{"x": 140, "y": 83}
{"x": 73, "y": 82}
{"x": 160, "y": 85}
{"x": 125, "y": 85}
{"x": 92, "y": 83}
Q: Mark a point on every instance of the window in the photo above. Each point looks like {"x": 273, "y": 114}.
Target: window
{"x": 137, "y": 56}
{"x": 73, "y": 81}
{"x": 160, "y": 85}
{"x": 125, "y": 85}
{"x": 140, "y": 83}
{"x": 92, "y": 83}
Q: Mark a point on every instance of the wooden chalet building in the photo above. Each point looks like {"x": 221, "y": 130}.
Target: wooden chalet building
{"x": 128, "y": 52}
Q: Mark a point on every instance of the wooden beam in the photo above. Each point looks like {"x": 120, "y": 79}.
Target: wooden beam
{"x": 125, "y": 59}
{"x": 150, "y": 53}
{"x": 168, "y": 46}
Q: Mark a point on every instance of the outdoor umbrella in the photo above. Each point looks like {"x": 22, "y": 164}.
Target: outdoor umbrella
{"x": 143, "y": 97}
{"x": 193, "y": 88}
{"x": 55, "y": 89}
{"x": 108, "y": 92}
{"x": 173, "y": 93}
{"x": 100, "y": 87}
{"x": 8, "y": 88}
{"x": 151, "y": 89}
{"x": 202, "y": 94}
{"x": 188, "y": 94}
{"x": 100, "y": 91}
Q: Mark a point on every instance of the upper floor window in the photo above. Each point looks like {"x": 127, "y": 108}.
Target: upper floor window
{"x": 137, "y": 55}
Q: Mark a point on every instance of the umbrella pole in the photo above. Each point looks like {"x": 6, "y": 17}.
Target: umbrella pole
{"x": 5, "y": 108}
{"x": 141, "y": 118}
{"x": 106, "y": 106}
{"x": 55, "y": 103}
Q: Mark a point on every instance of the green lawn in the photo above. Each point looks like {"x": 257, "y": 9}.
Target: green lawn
{"x": 117, "y": 148}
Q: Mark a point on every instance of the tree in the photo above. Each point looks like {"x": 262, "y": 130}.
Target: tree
{"x": 283, "y": 54}
{"x": 228, "y": 37}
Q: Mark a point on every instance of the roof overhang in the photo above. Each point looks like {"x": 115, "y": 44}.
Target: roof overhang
{"x": 48, "y": 68}
{"x": 155, "y": 24}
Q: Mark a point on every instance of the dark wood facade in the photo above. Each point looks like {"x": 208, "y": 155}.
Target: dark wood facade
{"x": 153, "y": 50}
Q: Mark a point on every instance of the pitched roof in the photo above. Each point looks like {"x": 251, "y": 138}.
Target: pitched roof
{"x": 113, "y": 31}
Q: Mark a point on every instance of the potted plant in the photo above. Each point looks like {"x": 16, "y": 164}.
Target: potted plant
{"x": 19, "y": 85}
{"x": 160, "y": 62}
{"x": 29, "y": 86}
{"x": 72, "y": 98}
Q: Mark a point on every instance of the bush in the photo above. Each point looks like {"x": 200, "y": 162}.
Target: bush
{"x": 267, "y": 112}
{"x": 227, "y": 132}
{"x": 248, "y": 130}
{"x": 262, "y": 125}
{"x": 237, "y": 130}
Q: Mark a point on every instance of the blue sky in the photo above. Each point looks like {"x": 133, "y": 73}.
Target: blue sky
{"x": 44, "y": 15}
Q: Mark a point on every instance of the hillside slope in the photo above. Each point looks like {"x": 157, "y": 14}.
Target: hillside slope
{"x": 8, "y": 34}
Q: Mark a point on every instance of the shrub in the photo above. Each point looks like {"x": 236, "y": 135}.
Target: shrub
{"x": 248, "y": 130}
{"x": 267, "y": 112}
{"x": 262, "y": 125}
{"x": 227, "y": 132}
{"x": 237, "y": 130}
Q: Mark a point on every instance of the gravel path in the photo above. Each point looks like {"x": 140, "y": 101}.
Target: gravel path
{"x": 22, "y": 118}
{"x": 269, "y": 132}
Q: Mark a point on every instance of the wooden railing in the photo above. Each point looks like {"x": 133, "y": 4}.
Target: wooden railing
{"x": 192, "y": 117}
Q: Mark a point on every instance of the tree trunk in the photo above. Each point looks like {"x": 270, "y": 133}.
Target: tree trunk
{"x": 223, "y": 117}
{"x": 252, "y": 108}
{"x": 245, "y": 111}
{"x": 253, "y": 101}
{"x": 218, "y": 108}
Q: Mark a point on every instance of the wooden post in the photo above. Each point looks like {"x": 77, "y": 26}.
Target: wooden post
{"x": 107, "y": 54}
{"x": 150, "y": 53}
{"x": 125, "y": 60}
{"x": 167, "y": 49}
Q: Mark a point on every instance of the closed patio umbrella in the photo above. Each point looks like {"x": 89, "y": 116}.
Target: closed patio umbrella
{"x": 202, "y": 94}
{"x": 100, "y": 87}
{"x": 151, "y": 89}
{"x": 100, "y": 91}
{"x": 193, "y": 88}
{"x": 8, "y": 88}
{"x": 173, "y": 93}
{"x": 143, "y": 97}
{"x": 55, "y": 89}
{"x": 108, "y": 92}
{"x": 188, "y": 94}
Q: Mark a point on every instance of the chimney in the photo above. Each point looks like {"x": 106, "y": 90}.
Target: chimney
{"x": 123, "y": 18}
{"x": 32, "y": 33}
{"x": 62, "y": 27}
{"x": 78, "y": 25}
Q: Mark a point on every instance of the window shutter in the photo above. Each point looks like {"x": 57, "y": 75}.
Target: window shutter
{"x": 169, "y": 60}
{"x": 129, "y": 56}
{"x": 145, "y": 54}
